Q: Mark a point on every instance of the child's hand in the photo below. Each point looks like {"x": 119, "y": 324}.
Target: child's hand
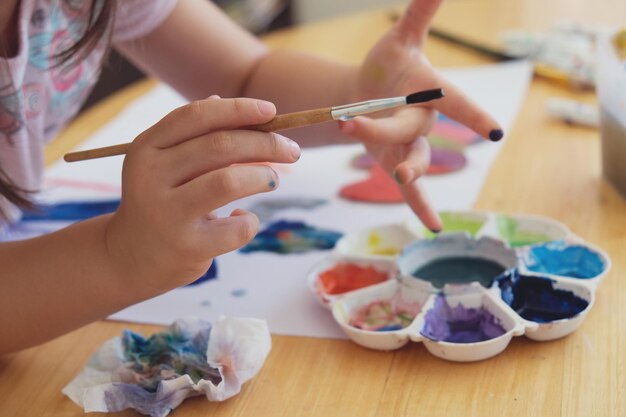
{"x": 176, "y": 174}
{"x": 397, "y": 66}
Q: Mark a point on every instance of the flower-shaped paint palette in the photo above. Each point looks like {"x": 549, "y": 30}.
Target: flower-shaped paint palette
{"x": 464, "y": 293}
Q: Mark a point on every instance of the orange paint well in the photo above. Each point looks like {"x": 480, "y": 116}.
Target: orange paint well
{"x": 346, "y": 277}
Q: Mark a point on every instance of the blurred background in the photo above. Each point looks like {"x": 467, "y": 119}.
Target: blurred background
{"x": 547, "y": 31}
{"x": 258, "y": 16}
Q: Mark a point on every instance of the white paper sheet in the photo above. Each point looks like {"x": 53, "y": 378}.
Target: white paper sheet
{"x": 271, "y": 286}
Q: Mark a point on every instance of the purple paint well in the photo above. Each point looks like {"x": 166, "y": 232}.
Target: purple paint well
{"x": 459, "y": 324}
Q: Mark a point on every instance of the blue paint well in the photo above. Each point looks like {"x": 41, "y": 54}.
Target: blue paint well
{"x": 291, "y": 237}
{"x": 536, "y": 299}
{"x": 72, "y": 211}
{"x": 559, "y": 258}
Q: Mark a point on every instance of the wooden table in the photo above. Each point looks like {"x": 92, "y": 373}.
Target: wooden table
{"x": 546, "y": 167}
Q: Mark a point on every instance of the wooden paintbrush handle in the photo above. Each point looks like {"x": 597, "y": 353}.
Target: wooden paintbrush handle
{"x": 297, "y": 119}
{"x": 280, "y": 122}
{"x": 97, "y": 153}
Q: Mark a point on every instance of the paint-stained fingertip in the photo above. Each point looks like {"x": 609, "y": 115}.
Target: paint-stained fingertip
{"x": 396, "y": 177}
{"x": 436, "y": 225}
{"x": 408, "y": 177}
{"x": 495, "y": 135}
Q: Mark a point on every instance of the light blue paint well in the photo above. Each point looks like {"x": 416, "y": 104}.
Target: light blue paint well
{"x": 560, "y": 258}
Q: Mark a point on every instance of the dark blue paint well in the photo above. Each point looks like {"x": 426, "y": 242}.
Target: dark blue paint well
{"x": 536, "y": 299}
{"x": 558, "y": 258}
{"x": 291, "y": 237}
{"x": 72, "y": 211}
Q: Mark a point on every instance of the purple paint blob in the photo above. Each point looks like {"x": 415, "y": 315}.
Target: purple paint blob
{"x": 444, "y": 161}
{"x": 363, "y": 161}
{"x": 459, "y": 324}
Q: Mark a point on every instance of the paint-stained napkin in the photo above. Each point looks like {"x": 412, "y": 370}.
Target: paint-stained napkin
{"x": 154, "y": 375}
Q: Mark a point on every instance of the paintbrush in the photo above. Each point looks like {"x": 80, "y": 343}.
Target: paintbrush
{"x": 293, "y": 120}
{"x": 493, "y": 53}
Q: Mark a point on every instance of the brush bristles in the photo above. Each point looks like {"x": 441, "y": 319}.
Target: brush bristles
{"x": 423, "y": 96}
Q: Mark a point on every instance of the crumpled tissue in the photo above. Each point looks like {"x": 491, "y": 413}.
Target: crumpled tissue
{"x": 155, "y": 375}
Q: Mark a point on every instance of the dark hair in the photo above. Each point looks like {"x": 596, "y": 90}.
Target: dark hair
{"x": 98, "y": 24}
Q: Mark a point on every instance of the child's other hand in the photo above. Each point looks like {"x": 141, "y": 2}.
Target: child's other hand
{"x": 397, "y": 66}
{"x": 176, "y": 174}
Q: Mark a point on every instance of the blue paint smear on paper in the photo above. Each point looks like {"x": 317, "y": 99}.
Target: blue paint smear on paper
{"x": 71, "y": 211}
{"x": 239, "y": 292}
{"x": 266, "y": 209}
{"x": 48, "y": 218}
{"x": 460, "y": 324}
{"x": 559, "y": 258}
{"x": 208, "y": 275}
{"x": 291, "y": 237}
{"x": 536, "y": 299}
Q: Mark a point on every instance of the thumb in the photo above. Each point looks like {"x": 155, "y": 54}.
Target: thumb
{"x": 413, "y": 25}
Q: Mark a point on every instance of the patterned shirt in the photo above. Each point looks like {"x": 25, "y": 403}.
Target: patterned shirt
{"x": 37, "y": 97}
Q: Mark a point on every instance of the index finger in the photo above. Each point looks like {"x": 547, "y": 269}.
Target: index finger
{"x": 458, "y": 106}
{"x": 417, "y": 200}
{"x": 204, "y": 116}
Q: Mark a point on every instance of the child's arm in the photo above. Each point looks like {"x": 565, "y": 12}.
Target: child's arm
{"x": 200, "y": 52}
{"x": 164, "y": 234}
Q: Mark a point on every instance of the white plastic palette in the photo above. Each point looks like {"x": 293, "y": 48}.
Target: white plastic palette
{"x": 546, "y": 288}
